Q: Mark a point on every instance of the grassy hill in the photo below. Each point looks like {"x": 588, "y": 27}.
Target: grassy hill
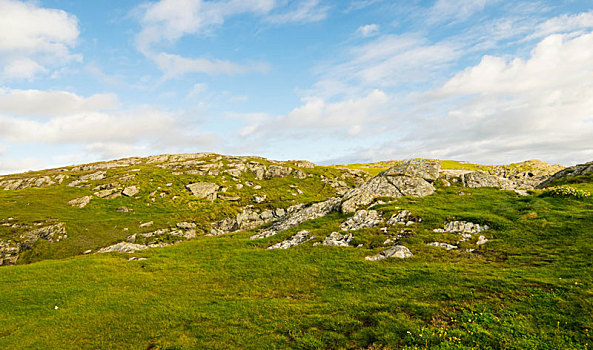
{"x": 529, "y": 287}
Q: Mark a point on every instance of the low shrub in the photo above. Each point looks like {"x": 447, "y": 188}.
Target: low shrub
{"x": 566, "y": 192}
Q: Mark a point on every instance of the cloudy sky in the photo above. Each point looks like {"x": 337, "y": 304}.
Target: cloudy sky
{"x": 489, "y": 81}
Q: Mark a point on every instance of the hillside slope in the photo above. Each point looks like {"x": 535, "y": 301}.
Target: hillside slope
{"x": 368, "y": 262}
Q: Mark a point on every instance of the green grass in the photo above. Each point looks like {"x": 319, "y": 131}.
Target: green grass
{"x": 529, "y": 287}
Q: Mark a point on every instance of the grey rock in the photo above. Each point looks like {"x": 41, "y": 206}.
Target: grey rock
{"x": 336, "y": 239}
{"x": 362, "y": 219}
{"x": 421, "y": 168}
{"x": 443, "y": 245}
{"x": 482, "y": 240}
{"x": 298, "y": 239}
{"x": 206, "y": 190}
{"x": 147, "y": 224}
{"x": 398, "y": 251}
{"x": 577, "y": 170}
{"x": 80, "y": 202}
{"x": 186, "y": 225}
{"x": 123, "y": 247}
{"x": 130, "y": 191}
{"x": 299, "y": 216}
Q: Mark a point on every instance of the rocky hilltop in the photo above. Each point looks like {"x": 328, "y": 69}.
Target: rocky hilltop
{"x": 214, "y": 194}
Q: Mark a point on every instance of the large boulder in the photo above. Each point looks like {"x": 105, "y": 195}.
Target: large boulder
{"x": 409, "y": 178}
{"x": 206, "y": 190}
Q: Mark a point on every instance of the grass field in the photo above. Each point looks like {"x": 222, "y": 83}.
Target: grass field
{"x": 529, "y": 287}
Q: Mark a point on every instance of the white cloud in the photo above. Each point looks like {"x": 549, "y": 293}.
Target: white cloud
{"x": 305, "y": 11}
{"x": 52, "y": 103}
{"x": 175, "y": 66}
{"x": 564, "y": 24}
{"x": 11, "y": 165}
{"x": 387, "y": 61}
{"x": 456, "y": 10}
{"x": 316, "y": 116}
{"x": 502, "y": 109}
{"x": 169, "y": 20}
{"x": 87, "y": 127}
{"x": 34, "y": 39}
{"x": 368, "y": 30}
{"x": 197, "y": 89}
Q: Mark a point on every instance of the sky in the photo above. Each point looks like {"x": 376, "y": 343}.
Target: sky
{"x": 487, "y": 81}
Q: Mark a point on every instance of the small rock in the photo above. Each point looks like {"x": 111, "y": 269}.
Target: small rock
{"x": 130, "y": 191}
{"x": 443, "y": 245}
{"x": 259, "y": 198}
{"x": 186, "y": 225}
{"x": 482, "y": 240}
{"x": 80, "y": 202}
{"x": 300, "y": 238}
{"x": 147, "y": 224}
{"x": 398, "y": 251}
{"x": 87, "y": 252}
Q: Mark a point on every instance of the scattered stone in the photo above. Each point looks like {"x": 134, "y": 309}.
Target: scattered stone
{"x": 186, "y": 225}
{"x": 87, "y": 252}
{"x": 404, "y": 217}
{"x": 147, "y": 224}
{"x": 398, "y": 251}
{"x": 108, "y": 193}
{"x": 259, "y": 198}
{"x": 336, "y": 239}
{"x": 130, "y": 191}
{"x": 229, "y": 198}
{"x": 297, "y": 217}
{"x": 80, "y": 202}
{"x": 206, "y": 190}
{"x": 123, "y": 210}
{"x": 257, "y": 187}
{"x": 463, "y": 226}
{"x": 443, "y": 245}
{"x": 481, "y": 240}
{"x": 362, "y": 219}
{"x": 298, "y": 239}
{"x": 123, "y": 247}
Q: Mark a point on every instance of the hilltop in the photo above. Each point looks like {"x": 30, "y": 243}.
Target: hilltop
{"x": 212, "y": 251}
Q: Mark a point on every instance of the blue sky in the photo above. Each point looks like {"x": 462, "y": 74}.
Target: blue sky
{"x": 488, "y": 81}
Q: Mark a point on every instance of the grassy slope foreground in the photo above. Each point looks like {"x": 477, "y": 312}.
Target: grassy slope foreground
{"x": 529, "y": 287}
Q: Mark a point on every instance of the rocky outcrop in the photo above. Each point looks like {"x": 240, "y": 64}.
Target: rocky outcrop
{"x": 362, "y": 219}
{"x": 336, "y": 239}
{"x": 519, "y": 176}
{"x": 10, "y": 250}
{"x": 206, "y": 190}
{"x": 29, "y": 182}
{"x": 577, "y": 170}
{"x": 298, "y": 239}
{"x": 408, "y": 178}
{"x": 310, "y": 212}
{"x": 398, "y": 251}
{"x": 249, "y": 219}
